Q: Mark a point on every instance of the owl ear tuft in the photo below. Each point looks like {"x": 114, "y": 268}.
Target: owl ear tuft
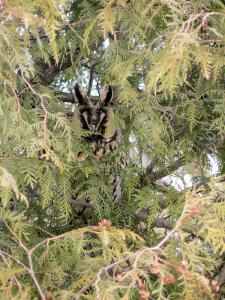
{"x": 106, "y": 95}
{"x": 81, "y": 98}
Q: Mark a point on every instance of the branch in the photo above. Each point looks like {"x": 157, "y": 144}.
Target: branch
{"x": 13, "y": 276}
{"x": 221, "y": 277}
{"x": 69, "y": 97}
{"x": 177, "y": 136}
{"x": 29, "y": 269}
{"x": 91, "y": 78}
{"x": 163, "y": 223}
{"x": 216, "y": 143}
{"x": 152, "y": 164}
{"x": 181, "y": 132}
{"x": 136, "y": 256}
{"x": 49, "y": 72}
{"x": 83, "y": 204}
{"x": 66, "y": 97}
{"x": 153, "y": 176}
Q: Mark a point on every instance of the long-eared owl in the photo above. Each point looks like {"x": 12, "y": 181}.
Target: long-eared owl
{"x": 97, "y": 116}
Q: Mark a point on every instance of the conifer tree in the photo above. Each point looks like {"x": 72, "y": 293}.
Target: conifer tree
{"x": 63, "y": 235}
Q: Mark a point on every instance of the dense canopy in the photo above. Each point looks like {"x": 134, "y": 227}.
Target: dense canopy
{"x": 63, "y": 235}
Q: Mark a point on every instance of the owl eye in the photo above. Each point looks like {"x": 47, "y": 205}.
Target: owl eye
{"x": 101, "y": 118}
{"x": 85, "y": 120}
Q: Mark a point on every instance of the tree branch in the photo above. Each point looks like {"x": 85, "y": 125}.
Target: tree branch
{"x": 221, "y": 276}
{"x": 177, "y": 136}
{"x": 66, "y": 97}
{"x": 91, "y": 78}
{"x": 164, "y": 223}
{"x": 153, "y": 176}
{"x": 49, "y": 72}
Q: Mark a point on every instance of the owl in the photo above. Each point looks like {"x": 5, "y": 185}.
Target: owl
{"x": 97, "y": 116}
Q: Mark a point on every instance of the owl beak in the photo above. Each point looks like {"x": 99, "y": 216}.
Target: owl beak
{"x": 93, "y": 128}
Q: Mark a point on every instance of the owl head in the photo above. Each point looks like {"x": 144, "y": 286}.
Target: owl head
{"x": 95, "y": 114}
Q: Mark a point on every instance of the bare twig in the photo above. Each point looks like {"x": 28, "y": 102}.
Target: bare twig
{"x": 13, "y": 276}
{"x": 135, "y": 256}
{"x": 153, "y": 176}
{"x": 42, "y": 103}
{"x": 30, "y": 268}
{"x": 33, "y": 276}
{"x": 202, "y": 16}
{"x": 49, "y": 72}
{"x": 221, "y": 276}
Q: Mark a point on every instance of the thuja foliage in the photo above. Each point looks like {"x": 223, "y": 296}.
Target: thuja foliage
{"x": 62, "y": 234}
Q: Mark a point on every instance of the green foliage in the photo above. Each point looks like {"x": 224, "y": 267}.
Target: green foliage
{"x": 165, "y": 238}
